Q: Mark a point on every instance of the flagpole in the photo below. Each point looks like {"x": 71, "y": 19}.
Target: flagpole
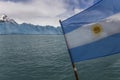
{"x": 73, "y": 65}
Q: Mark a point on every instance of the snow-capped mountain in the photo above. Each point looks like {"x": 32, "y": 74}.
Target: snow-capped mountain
{"x": 10, "y": 26}
{"x": 4, "y": 18}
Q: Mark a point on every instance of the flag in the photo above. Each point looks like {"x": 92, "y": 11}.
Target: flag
{"x": 94, "y": 32}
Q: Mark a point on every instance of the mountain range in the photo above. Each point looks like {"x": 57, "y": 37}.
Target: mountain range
{"x": 10, "y": 26}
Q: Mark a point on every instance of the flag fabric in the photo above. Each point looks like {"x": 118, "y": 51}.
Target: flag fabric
{"x": 94, "y": 32}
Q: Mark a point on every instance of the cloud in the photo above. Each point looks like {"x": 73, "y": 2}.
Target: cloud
{"x": 42, "y": 12}
{"x": 17, "y": 0}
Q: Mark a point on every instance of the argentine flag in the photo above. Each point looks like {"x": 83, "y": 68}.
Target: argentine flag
{"x": 95, "y": 32}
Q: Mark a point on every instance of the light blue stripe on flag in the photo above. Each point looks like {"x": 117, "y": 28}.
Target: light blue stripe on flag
{"x": 98, "y": 11}
{"x": 94, "y": 32}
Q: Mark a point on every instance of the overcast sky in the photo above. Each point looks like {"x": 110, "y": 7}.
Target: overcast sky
{"x": 42, "y": 12}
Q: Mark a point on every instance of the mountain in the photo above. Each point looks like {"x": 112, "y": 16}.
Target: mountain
{"x": 10, "y": 26}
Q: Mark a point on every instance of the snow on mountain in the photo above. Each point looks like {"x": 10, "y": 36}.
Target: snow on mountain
{"x": 10, "y": 26}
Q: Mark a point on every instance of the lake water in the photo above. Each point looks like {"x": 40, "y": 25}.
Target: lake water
{"x": 45, "y": 57}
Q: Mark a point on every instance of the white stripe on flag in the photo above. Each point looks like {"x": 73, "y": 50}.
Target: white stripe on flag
{"x": 84, "y": 34}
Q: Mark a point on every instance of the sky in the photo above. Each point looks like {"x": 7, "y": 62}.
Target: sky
{"x": 42, "y": 12}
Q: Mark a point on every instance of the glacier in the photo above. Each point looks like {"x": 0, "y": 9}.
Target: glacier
{"x": 10, "y": 26}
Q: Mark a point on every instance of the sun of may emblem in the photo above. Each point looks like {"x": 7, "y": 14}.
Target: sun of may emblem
{"x": 97, "y": 29}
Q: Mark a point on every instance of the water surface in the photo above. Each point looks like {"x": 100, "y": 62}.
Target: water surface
{"x": 45, "y": 57}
